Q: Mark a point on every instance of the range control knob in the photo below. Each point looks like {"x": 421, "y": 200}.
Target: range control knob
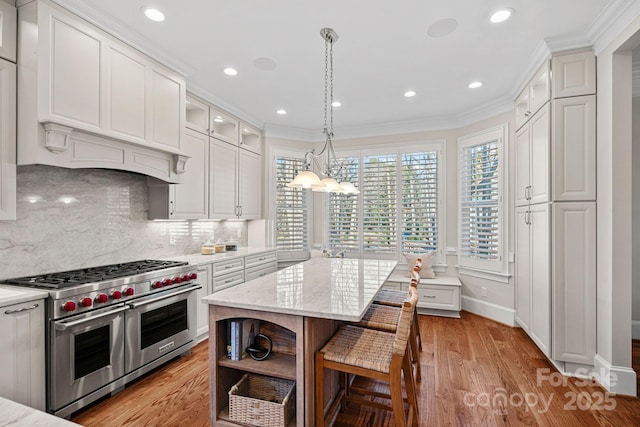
{"x": 157, "y": 285}
{"x": 116, "y": 295}
{"x": 128, "y": 292}
{"x": 102, "y": 298}
{"x": 69, "y": 306}
{"x": 186, "y": 278}
{"x": 86, "y": 302}
{"x": 177, "y": 279}
{"x": 168, "y": 282}
{"x": 193, "y": 276}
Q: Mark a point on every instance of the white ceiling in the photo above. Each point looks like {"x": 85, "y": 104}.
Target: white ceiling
{"x": 383, "y": 51}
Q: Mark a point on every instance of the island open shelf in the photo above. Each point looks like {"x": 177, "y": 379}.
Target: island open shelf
{"x": 300, "y": 308}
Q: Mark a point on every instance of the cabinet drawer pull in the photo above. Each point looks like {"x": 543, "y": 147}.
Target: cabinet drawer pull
{"x": 228, "y": 266}
{"x": 19, "y": 310}
{"x": 202, "y": 269}
{"x": 430, "y": 296}
{"x": 228, "y": 281}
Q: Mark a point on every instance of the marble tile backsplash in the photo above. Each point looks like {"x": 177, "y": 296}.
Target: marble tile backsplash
{"x": 74, "y": 218}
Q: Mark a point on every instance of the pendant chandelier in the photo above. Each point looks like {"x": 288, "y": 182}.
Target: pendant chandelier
{"x": 307, "y": 178}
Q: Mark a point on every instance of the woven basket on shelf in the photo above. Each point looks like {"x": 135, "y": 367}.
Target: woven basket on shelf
{"x": 262, "y": 401}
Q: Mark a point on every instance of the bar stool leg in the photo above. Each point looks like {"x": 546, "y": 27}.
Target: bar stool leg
{"x": 415, "y": 357}
{"x": 395, "y": 389}
{"x": 410, "y": 388}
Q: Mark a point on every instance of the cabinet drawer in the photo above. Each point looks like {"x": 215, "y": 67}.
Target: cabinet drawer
{"x": 224, "y": 267}
{"x": 440, "y": 297}
{"x": 227, "y": 280}
{"x": 262, "y": 258}
{"x": 259, "y": 271}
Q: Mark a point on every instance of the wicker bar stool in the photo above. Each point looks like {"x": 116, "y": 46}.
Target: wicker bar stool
{"x": 385, "y": 318}
{"x": 373, "y": 354}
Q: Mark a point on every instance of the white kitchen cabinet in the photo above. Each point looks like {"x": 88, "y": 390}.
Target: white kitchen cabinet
{"x": 250, "y": 138}
{"x": 574, "y": 153}
{"x": 223, "y": 126}
{"x": 8, "y": 31}
{"x": 533, "y": 96}
{"x": 574, "y": 74}
{"x": 189, "y": 200}
{"x": 205, "y": 277}
{"x": 533, "y": 159}
{"x": 249, "y": 185}
{"x": 196, "y": 114}
{"x": 89, "y": 100}
{"x": 127, "y": 95}
{"x": 223, "y": 180}
{"x": 7, "y": 140}
{"x": 574, "y": 281}
{"x": 235, "y": 182}
{"x": 22, "y": 377}
{"x": 555, "y": 215}
{"x": 533, "y": 293}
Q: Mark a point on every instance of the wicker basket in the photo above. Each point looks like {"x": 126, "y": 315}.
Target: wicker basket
{"x": 258, "y": 400}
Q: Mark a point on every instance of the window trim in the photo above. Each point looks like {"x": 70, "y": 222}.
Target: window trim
{"x": 439, "y": 145}
{"x": 500, "y": 272}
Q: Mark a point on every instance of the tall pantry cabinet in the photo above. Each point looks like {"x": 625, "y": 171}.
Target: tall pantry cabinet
{"x": 555, "y": 149}
{"x": 8, "y": 35}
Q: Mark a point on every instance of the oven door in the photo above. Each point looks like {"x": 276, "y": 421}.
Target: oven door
{"x": 159, "y": 324}
{"x": 87, "y": 352}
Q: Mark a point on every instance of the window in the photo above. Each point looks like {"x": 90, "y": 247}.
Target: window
{"x": 482, "y": 204}
{"x": 399, "y": 206}
{"x": 292, "y": 207}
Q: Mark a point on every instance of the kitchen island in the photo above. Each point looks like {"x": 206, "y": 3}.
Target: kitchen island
{"x": 299, "y": 308}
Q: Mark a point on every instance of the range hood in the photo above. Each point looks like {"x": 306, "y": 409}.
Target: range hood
{"x": 88, "y": 100}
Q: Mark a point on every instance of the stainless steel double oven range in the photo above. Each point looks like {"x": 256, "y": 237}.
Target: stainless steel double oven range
{"x": 109, "y": 325}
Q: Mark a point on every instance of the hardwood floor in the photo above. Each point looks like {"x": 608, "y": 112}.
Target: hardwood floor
{"x": 475, "y": 372}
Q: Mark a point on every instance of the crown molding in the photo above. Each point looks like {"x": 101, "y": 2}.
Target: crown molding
{"x": 111, "y": 26}
{"x": 575, "y": 41}
{"x": 536, "y": 59}
{"x": 613, "y": 19}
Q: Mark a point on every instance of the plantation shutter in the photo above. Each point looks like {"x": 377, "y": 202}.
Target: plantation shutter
{"x": 343, "y": 211}
{"x": 420, "y": 201}
{"x": 379, "y": 189}
{"x": 480, "y": 204}
{"x": 291, "y": 207}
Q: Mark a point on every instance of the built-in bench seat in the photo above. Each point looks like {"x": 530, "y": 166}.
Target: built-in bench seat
{"x": 439, "y": 296}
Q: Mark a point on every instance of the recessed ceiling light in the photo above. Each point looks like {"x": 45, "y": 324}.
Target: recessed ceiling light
{"x": 475, "y": 85}
{"x": 501, "y": 15}
{"x": 336, "y": 104}
{"x": 153, "y": 13}
{"x": 230, "y": 71}
{"x": 409, "y": 94}
{"x": 281, "y": 112}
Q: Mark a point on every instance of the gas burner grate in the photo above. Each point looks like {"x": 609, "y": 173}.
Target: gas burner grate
{"x": 66, "y": 279}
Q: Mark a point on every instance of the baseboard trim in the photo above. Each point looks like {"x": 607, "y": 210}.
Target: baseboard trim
{"x": 489, "y": 310}
{"x": 615, "y": 379}
{"x": 635, "y": 329}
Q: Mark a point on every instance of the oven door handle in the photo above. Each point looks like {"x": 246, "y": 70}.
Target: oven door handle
{"x": 63, "y": 326}
{"x": 160, "y": 298}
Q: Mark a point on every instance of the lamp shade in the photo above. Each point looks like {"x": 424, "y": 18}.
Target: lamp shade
{"x": 328, "y": 185}
{"x": 305, "y": 179}
{"x": 349, "y": 188}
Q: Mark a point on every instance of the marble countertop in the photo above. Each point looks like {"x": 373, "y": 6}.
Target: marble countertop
{"x": 10, "y": 295}
{"x": 329, "y": 288}
{"x": 204, "y": 259}
{"x": 16, "y": 414}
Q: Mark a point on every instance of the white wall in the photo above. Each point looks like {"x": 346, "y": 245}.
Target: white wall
{"x": 636, "y": 217}
{"x": 499, "y": 294}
